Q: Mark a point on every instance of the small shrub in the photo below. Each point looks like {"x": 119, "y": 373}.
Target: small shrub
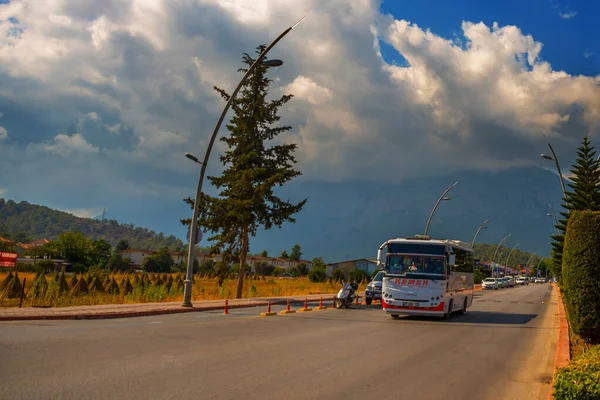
{"x": 252, "y": 292}
{"x": 337, "y": 275}
{"x": 6, "y": 281}
{"x": 126, "y": 286}
{"x": 39, "y": 287}
{"x": 317, "y": 275}
{"x": 357, "y": 275}
{"x": 112, "y": 287}
{"x": 80, "y": 288}
{"x": 580, "y": 379}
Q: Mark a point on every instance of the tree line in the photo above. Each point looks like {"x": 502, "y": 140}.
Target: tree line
{"x": 23, "y": 222}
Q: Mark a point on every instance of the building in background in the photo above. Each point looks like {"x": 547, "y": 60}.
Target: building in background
{"x": 361, "y": 264}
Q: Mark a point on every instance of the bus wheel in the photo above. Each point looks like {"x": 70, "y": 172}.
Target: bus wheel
{"x": 448, "y": 314}
{"x": 395, "y": 316}
{"x": 464, "y": 307}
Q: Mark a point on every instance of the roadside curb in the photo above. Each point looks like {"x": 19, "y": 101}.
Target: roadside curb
{"x": 144, "y": 313}
{"x": 563, "y": 353}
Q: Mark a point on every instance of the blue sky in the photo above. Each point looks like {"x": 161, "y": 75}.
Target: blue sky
{"x": 99, "y": 100}
{"x": 569, "y": 29}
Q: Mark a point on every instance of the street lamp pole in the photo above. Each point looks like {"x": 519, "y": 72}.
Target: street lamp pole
{"x": 508, "y": 258}
{"x": 555, "y": 159}
{"x": 494, "y": 256}
{"x": 194, "y": 231}
{"x": 530, "y": 257}
{"x": 478, "y": 230}
{"x": 437, "y": 204}
{"x": 553, "y": 214}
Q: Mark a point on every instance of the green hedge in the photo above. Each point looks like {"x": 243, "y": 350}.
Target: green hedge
{"x": 581, "y": 273}
{"x": 580, "y": 379}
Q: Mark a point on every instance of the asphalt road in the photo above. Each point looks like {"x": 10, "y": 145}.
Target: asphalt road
{"x": 503, "y": 348}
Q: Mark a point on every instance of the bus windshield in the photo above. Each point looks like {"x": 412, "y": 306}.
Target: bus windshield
{"x": 402, "y": 264}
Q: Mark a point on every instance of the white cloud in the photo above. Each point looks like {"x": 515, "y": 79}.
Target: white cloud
{"x": 2, "y": 191}
{"x": 567, "y": 14}
{"x": 305, "y": 88}
{"x": 66, "y": 145}
{"x": 3, "y": 133}
{"x": 136, "y": 79}
{"x": 588, "y": 54}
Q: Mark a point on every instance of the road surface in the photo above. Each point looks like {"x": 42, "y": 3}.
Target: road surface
{"x": 503, "y": 348}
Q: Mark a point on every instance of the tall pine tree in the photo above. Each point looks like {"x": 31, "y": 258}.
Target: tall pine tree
{"x": 584, "y": 195}
{"x": 246, "y": 199}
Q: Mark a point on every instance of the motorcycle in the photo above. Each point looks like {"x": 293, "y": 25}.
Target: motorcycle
{"x": 345, "y": 296}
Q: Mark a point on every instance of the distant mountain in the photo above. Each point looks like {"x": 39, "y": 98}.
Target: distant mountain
{"x": 39, "y": 222}
{"x": 350, "y": 220}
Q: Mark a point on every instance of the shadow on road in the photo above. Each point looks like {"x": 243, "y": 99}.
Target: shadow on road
{"x": 484, "y": 317}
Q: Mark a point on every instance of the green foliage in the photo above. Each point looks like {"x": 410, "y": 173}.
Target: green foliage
{"x": 253, "y": 169}
{"x": 38, "y": 222}
{"x": 100, "y": 252}
{"x": 580, "y": 379}
{"x": 96, "y": 284}
{"x": 478, "y": 275}
{"x": 357, "y": 275}
{"x": 337, "y": 275}
{"x": 264, "y": 253}
{"x": 277, "y": 271}
{"x": 581, "y": 273}
{"x": 161, "y": 261}
{"x": 318, "y": 271}
{"x": 584, "y": 195}
{"x": 252, "y": 292}
{"x": 284, "y": 255}
{"x": 296, "y": 253}
{"x": 263, "y": 269}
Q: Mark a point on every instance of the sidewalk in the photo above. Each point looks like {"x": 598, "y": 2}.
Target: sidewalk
{"x": 145, "y": 309}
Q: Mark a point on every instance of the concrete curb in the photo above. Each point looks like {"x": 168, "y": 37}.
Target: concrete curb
{"x": 563, "y": 353}
{"x": 145, "y": 313}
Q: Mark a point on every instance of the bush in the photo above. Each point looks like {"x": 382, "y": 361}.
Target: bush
{"x": 337, "y": 275}
{"x": 357, "y": 275}
{"x": 580, "y": 379}
{"x": 478, "y": 276}
{"x": 581, "y": 273}
{"x": 317, "y": 275}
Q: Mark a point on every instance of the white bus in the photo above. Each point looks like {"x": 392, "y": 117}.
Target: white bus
{"x": 425, "y": 276}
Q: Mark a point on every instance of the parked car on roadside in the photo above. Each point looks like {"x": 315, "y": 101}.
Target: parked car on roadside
{"x": 489, "y": 284}
{"x": 373, "y": 290}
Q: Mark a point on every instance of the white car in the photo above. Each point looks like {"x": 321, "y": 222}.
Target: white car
{"x": 522, "y": 281}
{"x": 489, "y": 283}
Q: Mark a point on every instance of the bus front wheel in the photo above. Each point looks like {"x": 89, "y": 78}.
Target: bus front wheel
{"x": 395, "y": 316}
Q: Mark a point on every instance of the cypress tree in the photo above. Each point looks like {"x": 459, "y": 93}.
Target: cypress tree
{"x": 253, "y": 168}
{"x": 63, "y": 286}
{"x": 6, "y": 280}
{"x": 73, "y": 281}
{"x": 126, "y": 286}
{"x": 584, "y": 195}
{"x": 39, "y": 286}
{"x": 12, "y": 289}
{"x": 96, "y": 285}
{"x": 112, "y": 287}
{"x": 80, "y": 288}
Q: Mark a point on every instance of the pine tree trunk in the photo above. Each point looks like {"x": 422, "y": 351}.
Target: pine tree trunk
{"x": 242, "y": 272}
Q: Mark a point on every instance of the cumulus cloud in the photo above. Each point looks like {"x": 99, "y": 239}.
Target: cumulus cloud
{"x": 129, "y": 84}
{"x": 3, "y": 133}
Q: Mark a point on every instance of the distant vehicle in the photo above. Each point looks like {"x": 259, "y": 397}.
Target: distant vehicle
{"x": 373, "y": 290}
{"x": 489, "y": 284}
{"x": 502, "y": 283}
{"x": 510, "y": 281}
{"x": 540, "y": 280}
{"x": 522, "y": 281}
{"x": 424, "y": 276}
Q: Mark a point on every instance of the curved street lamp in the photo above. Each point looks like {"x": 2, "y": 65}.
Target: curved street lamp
{"x": 555, "y": 159}
{"x": 194, "y": 231}
{"x": 482, "y": 226}
{"x": 442, "y": 198}
{"x": 530, "y": 257}
{"x": 508, "y": 258}
{"x": 497, "y": 247}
